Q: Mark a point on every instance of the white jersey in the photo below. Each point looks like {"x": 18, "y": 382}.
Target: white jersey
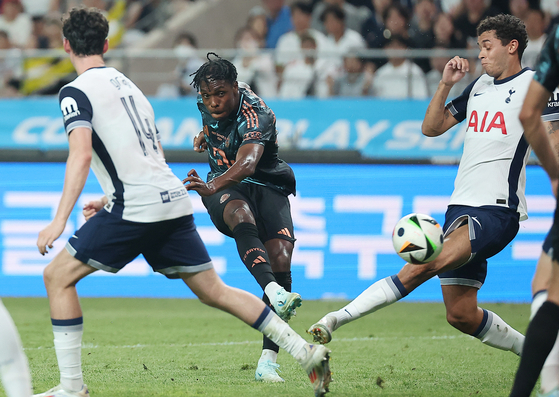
{"x": 492, "y": 170}
{"x": 126, "y": 159}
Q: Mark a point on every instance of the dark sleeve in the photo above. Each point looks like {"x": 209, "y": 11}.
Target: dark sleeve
{"x": 255, "y": 124}
{"x": 76, "y": 108}
{"x": 458, "y": 106}
{"x": 547, "y": 67}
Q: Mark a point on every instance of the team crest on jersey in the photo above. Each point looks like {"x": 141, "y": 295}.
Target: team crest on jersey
{"x": 511, "y": 91}
{"x": 224, "y": 198}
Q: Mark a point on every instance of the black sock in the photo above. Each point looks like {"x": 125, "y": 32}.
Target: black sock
{"x": 283, "y": 279}
{"x": 253, "y": 254}
{"x": 540, "y": 338}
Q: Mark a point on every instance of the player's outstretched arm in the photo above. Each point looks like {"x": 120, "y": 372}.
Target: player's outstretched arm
{"x": 77, "y": 170}
{"x": 534, "y": 130}
{"x": 248, "y": 157}
{"x": 438, "y": 118}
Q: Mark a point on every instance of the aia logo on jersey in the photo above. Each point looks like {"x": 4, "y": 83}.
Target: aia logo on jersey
{"x": 497, "y": 121}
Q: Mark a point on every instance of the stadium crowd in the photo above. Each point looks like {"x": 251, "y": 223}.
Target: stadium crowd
{"x": 289, "y": 49}
{"x": 341, "y": 31}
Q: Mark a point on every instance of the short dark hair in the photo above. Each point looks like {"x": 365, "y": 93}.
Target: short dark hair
{"x": 187, "y": 36}
{"x": 507, "y": 27}
{"x": 86, "y": 29}
{"x": 302, "y": 6}
{"x": 335, "y": 10}
{"x": 215, "y": 69}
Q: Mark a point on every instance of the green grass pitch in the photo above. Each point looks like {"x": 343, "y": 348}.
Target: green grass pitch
{"x": 172, "y": 347}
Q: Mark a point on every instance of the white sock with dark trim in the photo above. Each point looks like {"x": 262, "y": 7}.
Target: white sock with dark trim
{"x": 495, "y": 332}
{"x": 68, "y": 347}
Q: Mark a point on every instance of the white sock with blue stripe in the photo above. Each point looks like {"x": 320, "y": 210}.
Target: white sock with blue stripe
{"x": 495, "y": 332}
{"x": 279, "y": 332}
{"x": 68, "y": 347}
{"x": 382, "y": 293}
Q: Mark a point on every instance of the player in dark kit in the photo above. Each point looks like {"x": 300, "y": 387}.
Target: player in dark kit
{"x": 542, "y": 331}
{"x": 247, "y": 188}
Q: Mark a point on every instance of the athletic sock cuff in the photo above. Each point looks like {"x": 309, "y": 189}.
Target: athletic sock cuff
{"x": 70, "y": 325}
{"x": 485, "y": 324}
{"x": 263, "y": 319}
{"x": 245, "y": 228}
{"x": 400, "y": 287}
{"x": 542, "y": 291}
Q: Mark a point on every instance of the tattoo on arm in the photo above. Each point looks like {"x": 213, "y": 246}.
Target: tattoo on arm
{"x": 552, "y": 127}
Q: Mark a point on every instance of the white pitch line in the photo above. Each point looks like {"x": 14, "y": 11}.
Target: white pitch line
{"x": 366, "y": 339}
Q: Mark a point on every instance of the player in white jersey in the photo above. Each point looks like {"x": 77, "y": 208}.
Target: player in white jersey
{"x": 145, "y": 210}
{"x": 488, "y": 200}
{"x": 14, "y": 369}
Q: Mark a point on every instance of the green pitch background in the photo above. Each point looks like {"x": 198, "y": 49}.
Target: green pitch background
{"x": 168, "y": 347}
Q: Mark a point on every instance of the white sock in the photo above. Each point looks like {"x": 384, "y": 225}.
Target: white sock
{"x": 497, "y": 333}
{"x": 281, "y": 334}
{"x": 68, "y": 347}
{"x": 538, "y": 300}
{"x": 271, "y": 290}
{"x": 268, "y": 355}
{"x": 382, "y": 293}
{"x": 14, "y": 368}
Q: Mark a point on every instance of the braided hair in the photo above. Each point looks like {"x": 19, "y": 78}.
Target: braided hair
{"x": 215, "y": 69}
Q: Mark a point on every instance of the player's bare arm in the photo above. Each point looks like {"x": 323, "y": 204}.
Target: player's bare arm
{"x": 248, "y": 157}
{"x": 535, "y": 131}
{"x": 438, "y": 119}
{"x": 77, "y": 170}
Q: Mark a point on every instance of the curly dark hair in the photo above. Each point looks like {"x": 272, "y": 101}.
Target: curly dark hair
{"x": 216, "y": 69}
{"x": 507, "y": 27}
{"x": 86, "y": 29}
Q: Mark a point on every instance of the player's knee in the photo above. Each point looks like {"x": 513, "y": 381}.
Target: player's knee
{"x": 49, "y": 275}
{"x": 460, "y": 320}
{"x": 239, "y": 213}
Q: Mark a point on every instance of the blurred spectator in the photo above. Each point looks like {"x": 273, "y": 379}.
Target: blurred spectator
{"x": 396, "y": 22}
{"x": 289, "y": 44}
{"x": 16, "y": 23}
{"x": 10, "y": 67}
{"x": 189, "y": 61}
{"x": 301, "y": 76}
{"x": 36, "y": 8}
{"x": 438, "y": 62}
{"x": 445, "y": 35}
{"x": 258, "y": 23}
{"x": 53, "y": 33}
{"x": 421, "y": 29}
{"x": 519, "y": 8}
{"x": 535, "y": 27}
{"x": 466, "y": 23}
{"x": 255, "y": 68}
{"x": 341, "y": 38}
{"x": 278, "y": 20}
{"x": 400, "y": 78}
{"x": 355, "y": 80}
{"x": 354, "y": 16}
{"x": 374, "y": 26}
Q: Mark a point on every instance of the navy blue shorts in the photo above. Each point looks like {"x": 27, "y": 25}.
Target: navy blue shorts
{"x": 491, "y": 229}
{"x": 271, "y": 210}
{"x": 107, "y": 242}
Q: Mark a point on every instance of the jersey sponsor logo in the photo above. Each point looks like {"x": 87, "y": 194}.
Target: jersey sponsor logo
{"x": 69, "y": 108}
{"x": 252, "y": 135}
{"x": 173, "y": 195}
{"x": 511, "y": 91}
{"x": 224, "y": 198}
{"x": 497, "y": 121}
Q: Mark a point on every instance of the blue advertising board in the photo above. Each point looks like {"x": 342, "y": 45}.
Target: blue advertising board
{"x": 377, "y": 128}
{"x": 343, "y": 217}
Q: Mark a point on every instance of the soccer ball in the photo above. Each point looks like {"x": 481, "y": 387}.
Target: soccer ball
{"x": 417, "y": 238}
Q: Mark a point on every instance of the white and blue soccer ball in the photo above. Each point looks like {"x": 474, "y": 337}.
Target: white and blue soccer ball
{"x": 418, "y": 238}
